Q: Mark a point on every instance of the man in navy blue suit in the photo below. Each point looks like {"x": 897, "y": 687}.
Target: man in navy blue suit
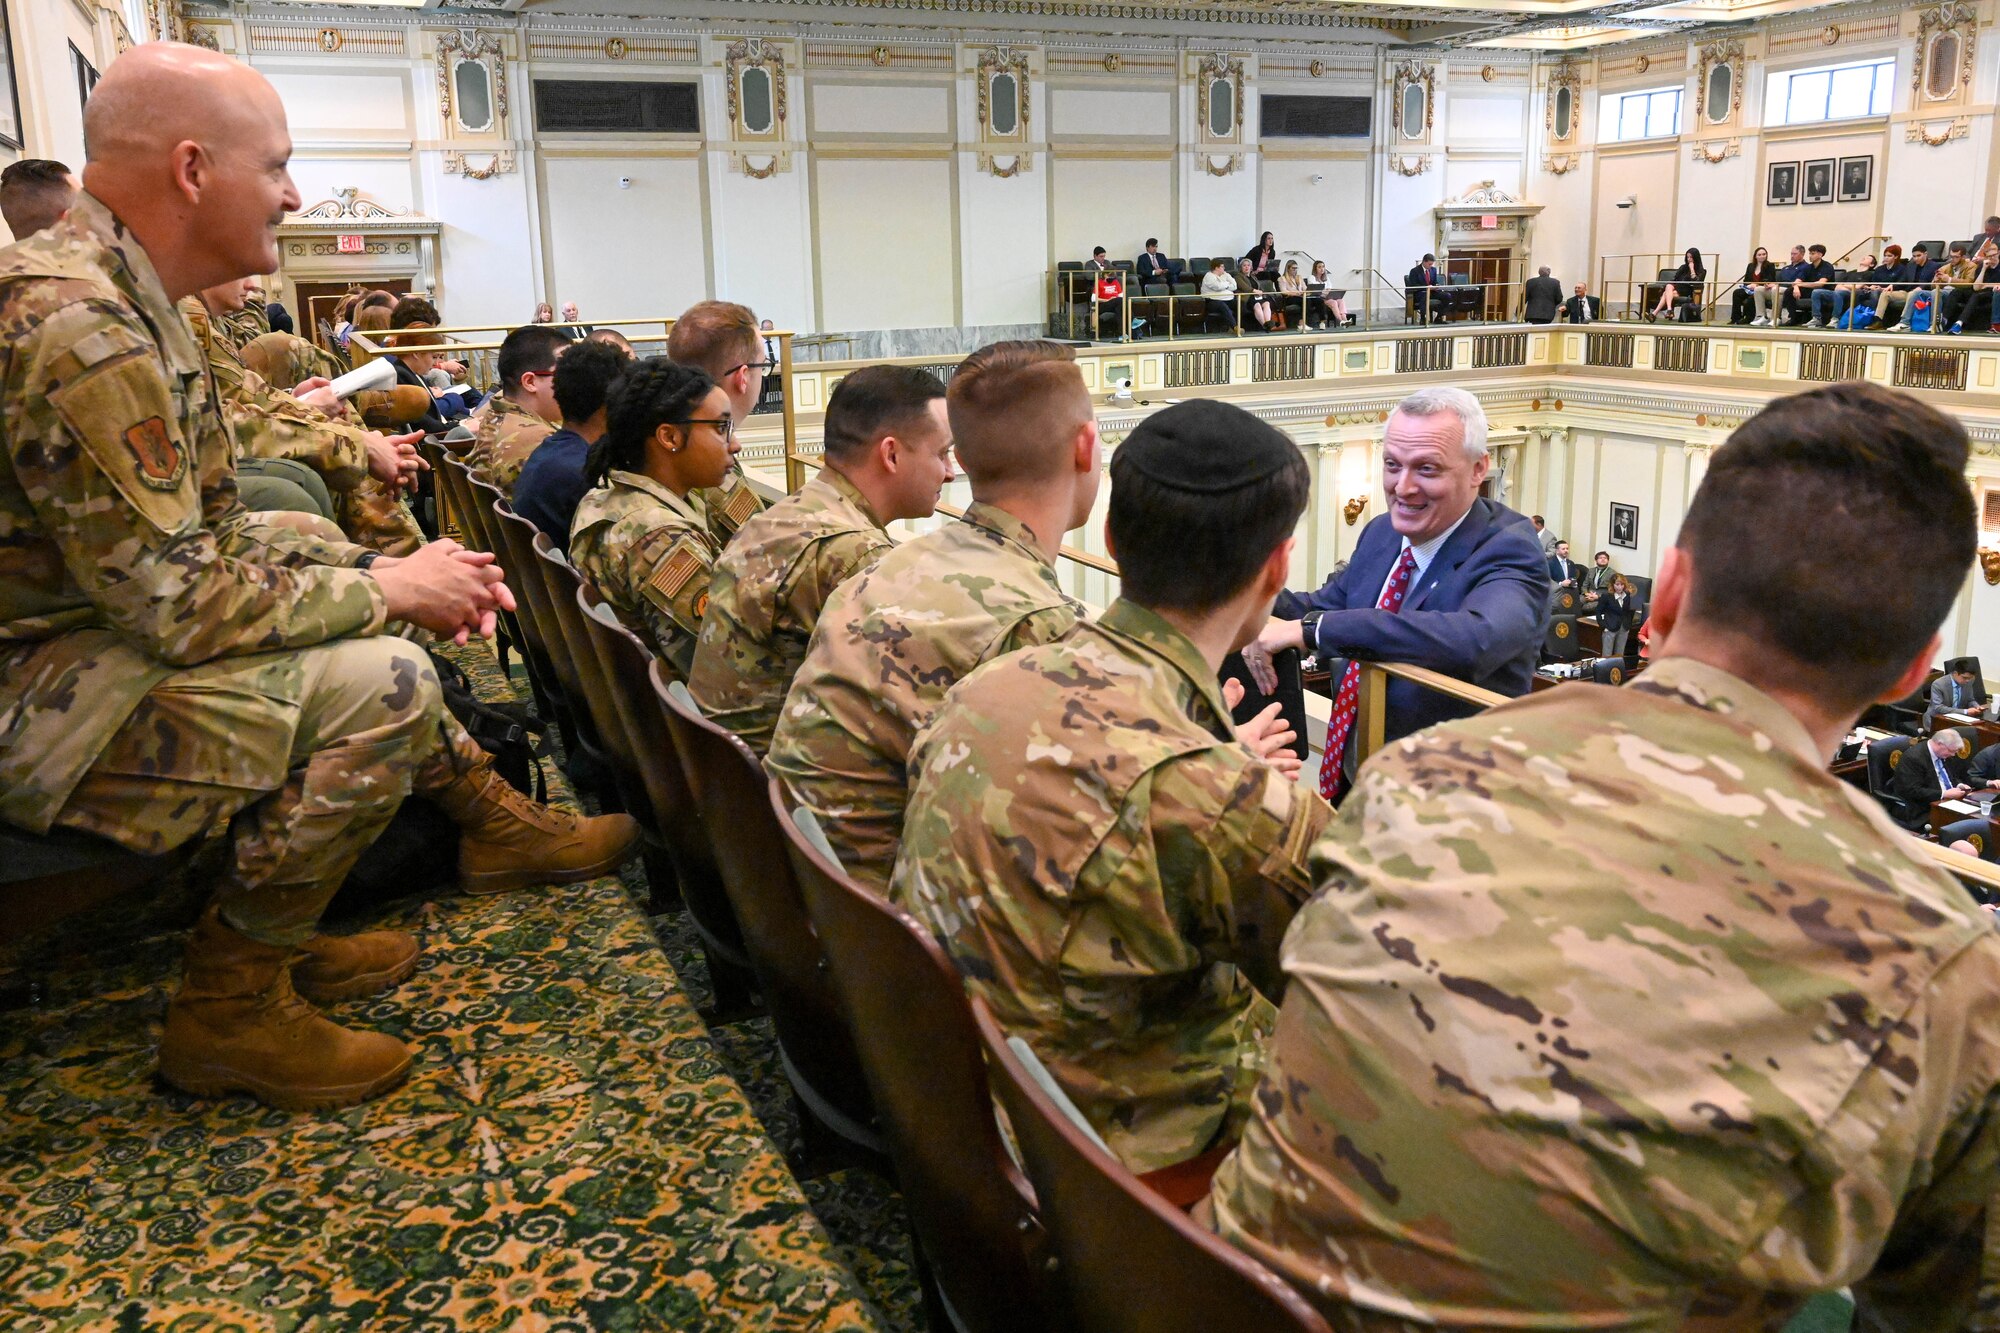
{"x": 1445, "y": 580}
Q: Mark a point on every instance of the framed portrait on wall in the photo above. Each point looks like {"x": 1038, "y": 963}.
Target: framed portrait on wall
{"x": 1817, "y": 187}
{"x": 1625, "y": 526}
{"x": 10, "y": 96}
{"x": 1784, "y": 186}
{"x": 1857, "y": 178}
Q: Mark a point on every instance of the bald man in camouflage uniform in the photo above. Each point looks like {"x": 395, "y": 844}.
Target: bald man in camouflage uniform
{"x": 1618, "y": 1010}
{"x": 892, "y": 641}
{"x": 887, "y": 457}
{"x": 1109, "y": 866}
{"x": 168, "y": 665}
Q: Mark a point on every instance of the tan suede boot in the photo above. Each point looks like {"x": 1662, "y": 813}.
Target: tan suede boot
{"x": 347, "y": 967}
{"x": 238, "y": 1026}
{"x": 506, "y": 841}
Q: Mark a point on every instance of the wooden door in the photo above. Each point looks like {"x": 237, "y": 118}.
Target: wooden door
{"x": 1490, "y": 269}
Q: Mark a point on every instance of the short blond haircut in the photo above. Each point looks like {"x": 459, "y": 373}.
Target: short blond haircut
{"x": 715, "y": 336}
{"x": 1015, "y": 409}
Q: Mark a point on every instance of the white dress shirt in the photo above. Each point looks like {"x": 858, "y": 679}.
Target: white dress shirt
{"x": 1422, "y": 555}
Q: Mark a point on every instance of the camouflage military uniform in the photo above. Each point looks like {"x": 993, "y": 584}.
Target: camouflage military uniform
{"x": 166, "y": 662}
{"x": 730, "y": 505}
{"x": 286, "y": 358}
{"x": 650, "y": 554}
{"x": 267, "y": 422}
{"x": 1100, "y": 855}
{"x": 1619, "y": 1011}
{"x": 252, "y": 321}
{"x": 888, "y": 646}
{"x": 768, "y": 590}
{"x": 506, "y": 434}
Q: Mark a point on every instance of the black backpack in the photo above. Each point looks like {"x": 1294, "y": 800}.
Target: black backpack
{"x": 418, "y": 852}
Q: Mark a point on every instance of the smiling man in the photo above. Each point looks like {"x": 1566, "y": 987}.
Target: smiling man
{"x": 1445, "y": 580}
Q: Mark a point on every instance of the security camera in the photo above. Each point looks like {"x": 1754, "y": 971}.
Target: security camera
{"x": 1318, "y": 179}
{"x": 1628, "y": 201}
{"x": 625, "y": 183}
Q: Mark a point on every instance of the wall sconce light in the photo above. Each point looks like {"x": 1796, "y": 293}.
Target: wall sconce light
{"x": 1354, "y": 507}
{"x": 1989, "y": 565}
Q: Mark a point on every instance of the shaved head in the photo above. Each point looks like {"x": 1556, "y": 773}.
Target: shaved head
{"x": 189, "y": 149}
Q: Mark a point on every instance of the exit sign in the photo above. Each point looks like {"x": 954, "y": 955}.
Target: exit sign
{"x": 1489, "y": 221}
{"x": 350, "y": 245}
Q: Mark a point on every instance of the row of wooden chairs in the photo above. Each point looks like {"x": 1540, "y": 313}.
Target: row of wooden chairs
{"x": 889, "y": 1061}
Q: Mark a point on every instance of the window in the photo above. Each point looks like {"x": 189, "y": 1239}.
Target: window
{"x": 1652, "y": 114}
{"x": 595, "y": 106}
{"x": 1831, "y": 92}
{"x": 86, "y": 74}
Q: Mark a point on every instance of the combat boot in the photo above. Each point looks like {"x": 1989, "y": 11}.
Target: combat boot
{"x": 329, "y": 968}
{"x": 506, "y": 841}
{"x": 238, "y": 1026}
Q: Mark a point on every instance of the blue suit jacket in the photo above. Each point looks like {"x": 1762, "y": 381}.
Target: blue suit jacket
{"x": 1478, "y": 613}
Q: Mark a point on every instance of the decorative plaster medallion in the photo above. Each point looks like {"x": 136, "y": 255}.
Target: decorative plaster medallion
{"x": 880, "y": 55}
{"x": 1642, "y": 64}
{"x": 1112, "y": 61}
{"x": 615, "y": 48}
{"x": 1830, "y": 34}
{"x": 1317, "y": 68}
{"x": 331, "y": 40}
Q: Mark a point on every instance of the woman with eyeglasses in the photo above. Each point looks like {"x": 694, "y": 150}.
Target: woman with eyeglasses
{"x": 640, "y": 534}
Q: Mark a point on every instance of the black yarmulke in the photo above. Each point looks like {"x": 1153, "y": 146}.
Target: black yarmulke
{"x": 1206, "y": 447}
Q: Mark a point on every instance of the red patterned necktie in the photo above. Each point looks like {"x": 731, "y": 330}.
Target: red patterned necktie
{"x": 1347, "y": 699}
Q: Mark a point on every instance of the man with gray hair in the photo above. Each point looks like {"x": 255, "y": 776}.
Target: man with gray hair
{"x": 1541, "y": 298}
{"x": 1445, "y": 579}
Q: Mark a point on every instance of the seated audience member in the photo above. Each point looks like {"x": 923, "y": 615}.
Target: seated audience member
{"x": 1754, "y": 300}
{"x": 892, "y": 641}
{"x": 1990, "y": 233}
{"x": 1220, "y": 289}
{"x": 176, "y": 668}
{"x": 1098, "y": 259}
{"x": 1256, "y": 305}
{"x": 1541, "y": 298}
{"x": 888, "y": 457}
{"x": 279, "y": 318}
{"x": 544, "y": 314}
{"x": 1421, "y": 285}
{"x": 1918, "y": 273}
{"x": 639, "y": 534}
{"x": 1120, "y": 897}
{"x": 1263, "y": 258}
{"x": 552, "y": 481}
{"x": 523, "y": 413}
{"x": 1598, "y": 577}
{"x": 572, "y": 321}
{"x": 1563, "y": 571}
{"x": 1982, "y": 776}
{"x": 1324, "y": 310}
{"x": 1849, "y": 288}
{"x": 1971, "y": 305}
{"x": 1931, "y": 770}
{"x": 1617, "y": 609}
{"x": 1813, "y": 275}
{"x": 1629, "y": 1014}
{"x": 722, "y": 338}
{"x": 35, "y": 194}
{"x": 1445, "y": 580}
{"x": 1958, "y": 690}
{"x": 1108, "y": 305}
{"x": 1789, "y": 310}
{"x": 408, "y": 325}
{"x": 1685, "y": 285}
{"x": 1156, "y": 267}
{"x": 1954, "y": 285}
{"x": 612, "y": 337}
{"x": 1292, "y": 292}
{"x": 1582, "y": 307}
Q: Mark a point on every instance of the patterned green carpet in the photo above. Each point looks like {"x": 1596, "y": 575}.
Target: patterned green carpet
{"x": 573, "y": 1151}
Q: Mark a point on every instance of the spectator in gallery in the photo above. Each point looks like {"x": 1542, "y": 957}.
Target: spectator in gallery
{"x": 545, "y": 313}
{"x": 1156, "y": 267}
{"x": 1220, "y": 289}
{"x": 1860, "y": 286}
{"x": 1421, "y": 285}
{"x": 1107, "y": 299}
{"x": 1813, "y": 275}
{"x": 1259, "y": 305}
{"x": 1582, "y": 308}
{"x": 1292, "y": 292}
{"x": 1321, "y": 309}
{"x": 1920, "y": 270}
{"x": 1991, "y": 233}
{"x": 1685, "y": 285}
{"x": 1097, "y": 259}
{"x": 1541, "y": 298}
{"x": 1618, "y": 609}
{"x": 1755, "y": 300}
{"x": 1972, "y": 306}
{"x": 1544, "y": 536}
{"x": 1263, "y": 258}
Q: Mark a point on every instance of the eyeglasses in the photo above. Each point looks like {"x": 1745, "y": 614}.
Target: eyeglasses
{"x": 753, "y": 365}
{"x": 724, "y": 426}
